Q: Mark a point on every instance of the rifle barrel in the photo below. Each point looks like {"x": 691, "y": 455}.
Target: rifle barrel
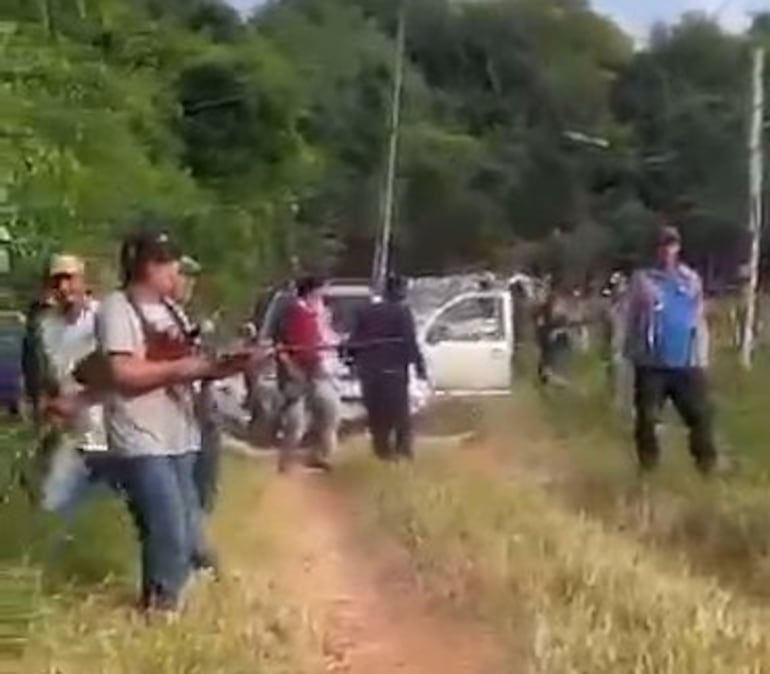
{"x": 364, "y": 344}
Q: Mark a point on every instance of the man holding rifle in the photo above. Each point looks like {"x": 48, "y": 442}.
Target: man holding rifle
{"x": 150, "y": 367}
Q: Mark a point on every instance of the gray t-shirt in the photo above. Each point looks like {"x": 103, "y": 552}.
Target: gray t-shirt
{"x": 161, "y": 422}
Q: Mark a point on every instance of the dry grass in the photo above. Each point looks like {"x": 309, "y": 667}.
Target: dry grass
{"x": 238, "y": 625}
{"x": 544, "y": 529}
{"x": 573, "y": 594}
{"x": 718, "y": 528}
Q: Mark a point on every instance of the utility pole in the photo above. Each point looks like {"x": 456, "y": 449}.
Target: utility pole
{"x": 756, "y": 169}
{"x": 382, "y": 248}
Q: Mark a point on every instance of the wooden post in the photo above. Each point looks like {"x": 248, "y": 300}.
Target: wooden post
{"x": 756, "y": 169}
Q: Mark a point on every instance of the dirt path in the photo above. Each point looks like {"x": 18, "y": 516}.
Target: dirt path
{"x": 363, "y": 603}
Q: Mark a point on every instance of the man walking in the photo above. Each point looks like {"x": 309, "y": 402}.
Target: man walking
{"x": 152, "y": 364}
{"x": 667, "y": 341}
{"x": 309, "y": 388}
{"x": 206, "y": 470}
{"x": 67, "y": 334}
{"x": 384, "y": 346}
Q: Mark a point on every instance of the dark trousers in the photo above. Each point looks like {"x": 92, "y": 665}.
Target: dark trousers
{"x": 688, "y": 390}
{"x": 206, "y": 471}
{"x": 386, "y": 397}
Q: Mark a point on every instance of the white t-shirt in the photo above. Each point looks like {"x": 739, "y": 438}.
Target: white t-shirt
{"x": 66, "y": 343}
{"x": 159, "y": 423}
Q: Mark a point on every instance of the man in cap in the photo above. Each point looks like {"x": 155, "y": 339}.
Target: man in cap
{"x": 667, "y": 341}
{"x": 68, "y": 336}
{"x": 153, "y": 363}
{"x": 210, "y": 436}
{"x": 384, "y": 346}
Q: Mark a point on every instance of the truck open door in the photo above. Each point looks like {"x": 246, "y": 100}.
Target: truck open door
{"x": 468, "y": 344}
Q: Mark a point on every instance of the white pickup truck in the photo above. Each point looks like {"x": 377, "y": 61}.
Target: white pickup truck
{"x": 467, "y": 343}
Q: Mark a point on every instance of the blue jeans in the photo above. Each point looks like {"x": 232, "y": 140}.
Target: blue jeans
{"x": 163, "y": 501}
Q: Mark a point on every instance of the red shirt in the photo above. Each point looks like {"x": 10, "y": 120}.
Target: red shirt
{"x": 303, "y": 331}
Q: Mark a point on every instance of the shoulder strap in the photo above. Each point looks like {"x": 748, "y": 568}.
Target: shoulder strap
{"x": 180, "y": 318}
{"x": 147, "y": 328}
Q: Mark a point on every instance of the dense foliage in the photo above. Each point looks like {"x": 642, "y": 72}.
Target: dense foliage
{"x": 263, "y": 138}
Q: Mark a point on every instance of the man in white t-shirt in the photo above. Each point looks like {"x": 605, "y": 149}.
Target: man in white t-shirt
{"x": 68, "y": 335}
{"x": 150, "y": 413}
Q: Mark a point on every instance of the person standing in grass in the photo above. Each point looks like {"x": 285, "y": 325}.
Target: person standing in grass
{"x": 152, "y": 365}
{"x": 667, "y": 342}
{"x": 553, "y": 339}
{"x": 67, "y": 333}
{"x": 207, "y": 459}
{"x": 384, "y": 347}
{"x": 309, "y": 389}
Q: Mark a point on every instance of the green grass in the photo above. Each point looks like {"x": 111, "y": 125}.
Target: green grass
{"x": 69, "y": 607}
{"x": 564, "y": 592}
{"x": 544, "y": 531}
{"x": 718, "y": 528}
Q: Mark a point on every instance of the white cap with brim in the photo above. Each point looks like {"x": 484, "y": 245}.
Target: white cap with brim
{"x": 66, "y": 265}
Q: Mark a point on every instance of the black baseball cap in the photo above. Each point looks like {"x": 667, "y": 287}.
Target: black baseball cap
{"x": 151, "y": 246}
{"x": 146, "y": 247}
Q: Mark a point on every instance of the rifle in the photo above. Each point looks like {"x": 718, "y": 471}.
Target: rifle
{"x": 345, "y": 346}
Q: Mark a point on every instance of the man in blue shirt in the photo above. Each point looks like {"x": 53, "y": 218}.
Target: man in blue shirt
{"x": 667, "y": 341}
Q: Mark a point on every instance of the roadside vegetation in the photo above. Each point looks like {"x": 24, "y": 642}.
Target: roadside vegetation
{"x": 69, "y": 606}
{"x": 541, "y": 528}
{"x": 535, "y": 134}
